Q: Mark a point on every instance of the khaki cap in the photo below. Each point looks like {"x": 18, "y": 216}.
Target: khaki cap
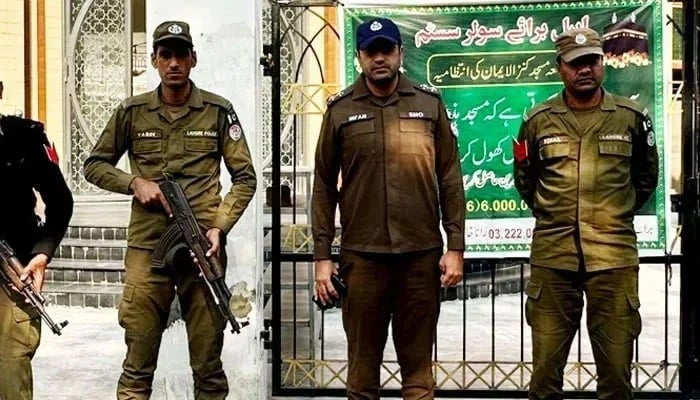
{"x": 578, "y": 42}
{"x": 178, "y": 30}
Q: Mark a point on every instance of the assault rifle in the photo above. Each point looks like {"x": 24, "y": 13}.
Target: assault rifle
{"x": 11, "y": 271}
{"x": 186, "y": 228}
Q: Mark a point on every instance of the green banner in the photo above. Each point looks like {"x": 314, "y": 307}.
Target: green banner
{"x": 493, "y": 63}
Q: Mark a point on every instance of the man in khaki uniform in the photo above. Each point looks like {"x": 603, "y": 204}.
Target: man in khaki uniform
{"x": 390, "y": 139}
{"x": 184, "y": 131}
{"x": 28, "y": 162}
{"x": 585, "y": 162}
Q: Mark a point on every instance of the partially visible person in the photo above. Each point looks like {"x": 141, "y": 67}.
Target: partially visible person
{"x": 186, "y": 132}
{"x": 391, "y": 141}
{"x": 28, "y": 162}
{"x": 586, "y": 160}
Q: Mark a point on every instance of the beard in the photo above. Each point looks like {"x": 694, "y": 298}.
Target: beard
{"x": 384, "y": 80}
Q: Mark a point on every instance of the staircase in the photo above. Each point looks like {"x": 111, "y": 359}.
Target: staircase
{"x": 88, "y": 267}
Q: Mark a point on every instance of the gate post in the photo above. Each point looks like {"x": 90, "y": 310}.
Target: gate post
{"x": 690, "y": 210}
{"x": 275, "y": 245}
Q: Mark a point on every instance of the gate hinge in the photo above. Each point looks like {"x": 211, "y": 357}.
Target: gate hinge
{"x": 265, "y": 334}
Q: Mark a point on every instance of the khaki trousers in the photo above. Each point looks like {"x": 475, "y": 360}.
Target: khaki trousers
{"x": 143, "y": 313}
{"x": 553, "y": 310}
{"x": 20, "y": 334}
{"x": 403, "y": 289}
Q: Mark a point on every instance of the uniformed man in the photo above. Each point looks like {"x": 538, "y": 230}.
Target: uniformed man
{"x": 28, "y": 162}
{"x": 184, "y": 131}
{"x": 586, "y": 160}
{"x": 391, "y": 141}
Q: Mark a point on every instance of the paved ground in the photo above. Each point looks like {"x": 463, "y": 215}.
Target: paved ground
{"x": 85, "y": 362}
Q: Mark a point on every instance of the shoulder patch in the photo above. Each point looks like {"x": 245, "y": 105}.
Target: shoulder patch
{"x": 428, "y": 89}
{"x": 337, "y": 96}
{"x": 536, "y": 110}
{"x": 135, "y": 100}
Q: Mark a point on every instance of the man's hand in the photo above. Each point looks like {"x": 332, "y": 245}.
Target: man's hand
{"x": 214, "y": 236}
{"x": 323, "y": 288}
{"x": 452, "y": 267}
{"x": 148, "y": 193}
{"x": 34, "y": 271}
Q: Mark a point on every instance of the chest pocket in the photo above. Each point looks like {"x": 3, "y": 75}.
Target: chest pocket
{"x": 147, "y": 141}
{"x": 416, "y": 133}
{"x": 145, "y": 146}
{"x": 615, "y": 148}
{"x": 359, "y": 136}
{"x": 552, "y": 148}
{"x": 201, "y": 144}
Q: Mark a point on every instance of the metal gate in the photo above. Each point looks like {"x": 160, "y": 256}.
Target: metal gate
{"x": 98, "y": 75}
{"x": 483, "y": 350}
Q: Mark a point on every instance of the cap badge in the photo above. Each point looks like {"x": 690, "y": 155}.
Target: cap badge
{"x": 580, "y": 38}
{"x": 376, "y": 25}
{"x": 175, "y": 29}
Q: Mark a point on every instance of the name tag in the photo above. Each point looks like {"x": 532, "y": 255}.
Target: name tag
{"x": 151, "y": 134}
{"x": 414, "y": 115}
{"x": 358, "y": 117}
{"x": 201, "y": 134}
{"x": 617, "y": 137}
{"x": 553, "y": 139}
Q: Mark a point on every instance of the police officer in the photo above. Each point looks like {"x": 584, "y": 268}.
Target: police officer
{"x": 586, "y": 160}
{"x": 392, "y": 143}
{"x": 184, "y": 131}
{"x": 28, "y": 162}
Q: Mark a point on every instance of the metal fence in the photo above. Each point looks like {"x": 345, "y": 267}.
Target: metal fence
{"x": 483, "y": 343}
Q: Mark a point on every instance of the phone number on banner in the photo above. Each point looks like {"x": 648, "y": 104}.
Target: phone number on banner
{"x": 499, "y": 231}
{"x": 519, "y": 230}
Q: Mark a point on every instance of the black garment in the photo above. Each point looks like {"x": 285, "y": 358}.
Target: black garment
{"x": 26, "y": 164}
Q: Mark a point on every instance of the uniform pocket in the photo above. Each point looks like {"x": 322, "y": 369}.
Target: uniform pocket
{"x": 416, "y": 130}
{"x": 533, "y": 291}
{"x": 127, "y": 299}
{"x": 26, "y": 331}
{"x": 200, "y": 145}
{"x": 359, "y": 137}
{"x": 145, "y": 146}
{"x": 615, "y": 148}
{"x": 620, "y": 329}
{"x": 554, "y": 151}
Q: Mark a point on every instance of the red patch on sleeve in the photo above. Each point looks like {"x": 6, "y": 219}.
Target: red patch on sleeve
{"x": 520, "y": 150}
{"x": 51, "y": 153}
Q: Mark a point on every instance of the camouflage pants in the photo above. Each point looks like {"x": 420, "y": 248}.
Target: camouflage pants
{"x": 143, "y": 313}
{"x": 553, "y": 310}
{"x": 403, "y": 289}
{"x": 20, "y": 333}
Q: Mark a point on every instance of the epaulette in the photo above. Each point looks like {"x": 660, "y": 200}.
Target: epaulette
{"x": 428, "y": 89}
{"x": 337, "y": 96}
{"x": 215, "y": 99}
{"x": 536, "y": 110}
{"x": 630, "y": 104}
{"x": 136, "y": 100}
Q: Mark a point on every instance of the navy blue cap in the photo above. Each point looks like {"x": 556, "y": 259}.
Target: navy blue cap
{"x": 377, "y": 28}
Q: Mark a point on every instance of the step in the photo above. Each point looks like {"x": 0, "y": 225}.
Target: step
{"x": 91, "y": 249}
{"x": 86, "y": 265}
{"x": 62, "y": 270}
{"x": 97, "y": 233}
{"x": 83, "y": 294}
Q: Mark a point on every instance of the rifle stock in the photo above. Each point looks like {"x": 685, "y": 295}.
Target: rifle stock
{"x": 11, "y": 271}
{"x": 210, "y": 267}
